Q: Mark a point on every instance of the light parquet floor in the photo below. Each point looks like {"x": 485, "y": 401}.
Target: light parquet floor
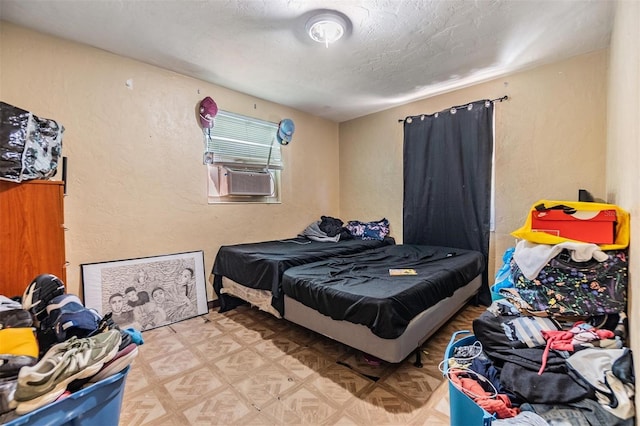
{"x": 245, "y": 367}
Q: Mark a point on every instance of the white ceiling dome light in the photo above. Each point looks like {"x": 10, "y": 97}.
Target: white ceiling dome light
{"x": 326, "y": 27}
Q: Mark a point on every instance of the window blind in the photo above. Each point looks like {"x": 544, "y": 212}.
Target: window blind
{"x": 240, "y": 140}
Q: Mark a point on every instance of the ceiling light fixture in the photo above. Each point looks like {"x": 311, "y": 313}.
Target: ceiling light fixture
{"x": 327, "y": 27}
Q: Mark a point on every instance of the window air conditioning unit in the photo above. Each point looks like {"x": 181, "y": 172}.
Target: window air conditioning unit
{"x": 245, "y": 182}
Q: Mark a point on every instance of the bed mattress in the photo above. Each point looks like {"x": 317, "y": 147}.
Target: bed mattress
{"x": 261, "y": 265}
{"x": 359, "y": 289}
{"x": 358, "y": 336}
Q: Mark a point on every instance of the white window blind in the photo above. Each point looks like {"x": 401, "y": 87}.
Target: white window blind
{"x": 240, "y": 140}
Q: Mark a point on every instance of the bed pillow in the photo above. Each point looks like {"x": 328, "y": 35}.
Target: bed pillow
{"x": 368, "y": 230}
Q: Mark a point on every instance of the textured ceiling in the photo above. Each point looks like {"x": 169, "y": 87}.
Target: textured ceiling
{"x": 395, "y": 51}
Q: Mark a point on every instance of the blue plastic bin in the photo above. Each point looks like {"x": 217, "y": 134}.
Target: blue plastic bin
{"x": 463, "y": 411}
{"x": 95, "y": 405}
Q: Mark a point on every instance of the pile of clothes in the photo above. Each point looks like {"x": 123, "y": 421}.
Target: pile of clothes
{"x": 580, "y": 371}
{"x": 554, "y": 339}
{"x": 51, "y": 345}
{"x": 331, "y": 229}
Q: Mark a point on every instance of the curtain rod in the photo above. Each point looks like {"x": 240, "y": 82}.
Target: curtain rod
{"x": 504, "y": 98}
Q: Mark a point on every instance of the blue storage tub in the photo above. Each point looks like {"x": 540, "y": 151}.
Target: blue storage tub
{"x": 95, "y": 405}
{"x": 463, "y": 411}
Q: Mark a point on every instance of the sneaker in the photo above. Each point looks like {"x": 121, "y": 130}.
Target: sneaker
{"x": 7, "y": 389}
{"x": 10, "y": 365}
{"x": 59, "y": 349}
{"x": 48, "y": 379}
{"x": 39, "y": 293}
{"x": 107, "y": 323}
{"x": 14, "y": 318}
{"x": 58, "y": 303}
{"x": 122, "y": 360}
{"x": 7, "y": 304}
{"x": 125, "y": 341}
{"x": 68, "y": 317}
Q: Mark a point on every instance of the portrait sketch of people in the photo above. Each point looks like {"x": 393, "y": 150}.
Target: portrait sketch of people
{"x": 152, "y": 292}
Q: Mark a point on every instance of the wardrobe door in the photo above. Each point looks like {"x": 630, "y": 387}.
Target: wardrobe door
{"x": 31, "y": 233}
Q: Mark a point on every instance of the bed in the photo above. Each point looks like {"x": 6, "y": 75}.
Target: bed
{"x": 351, "y": 297}
{"x": 354, "y": 299}
{"x": 252, "y": 272}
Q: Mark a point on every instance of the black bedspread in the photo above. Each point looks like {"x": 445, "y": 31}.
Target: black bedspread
{"x": 261, "y": 265}
{"x": 359, "y": 289}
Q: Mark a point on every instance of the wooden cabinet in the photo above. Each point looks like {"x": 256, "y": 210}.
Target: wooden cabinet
{"x": 31, "y": 233}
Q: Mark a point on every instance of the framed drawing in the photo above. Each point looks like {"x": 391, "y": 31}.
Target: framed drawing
{"x": 147, "y": 292}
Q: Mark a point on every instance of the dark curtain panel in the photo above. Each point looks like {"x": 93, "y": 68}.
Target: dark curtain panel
{"x": 447, "y": 180}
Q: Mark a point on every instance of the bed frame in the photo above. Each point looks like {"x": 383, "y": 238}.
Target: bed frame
{"x": 262, "y": 286}
{"x": 359, "y": 336}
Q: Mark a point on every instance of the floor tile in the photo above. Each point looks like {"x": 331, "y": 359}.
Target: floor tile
{"x": 141, "y": 409}
{"x": 224, "y": 408}
{"x": 191, "y": 386}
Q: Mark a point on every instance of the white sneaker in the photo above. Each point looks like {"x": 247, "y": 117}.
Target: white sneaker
{"x": 48, "y": 379}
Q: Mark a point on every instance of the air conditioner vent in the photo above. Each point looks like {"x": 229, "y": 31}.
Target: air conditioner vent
{"x": 245, "y": 182}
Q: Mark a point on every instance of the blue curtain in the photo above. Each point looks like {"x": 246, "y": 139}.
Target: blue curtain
{"x": 447, "y": 180}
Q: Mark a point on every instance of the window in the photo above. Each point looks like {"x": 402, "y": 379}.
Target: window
{"x": 244, "y": 159}
{"x": 239, "y": 140}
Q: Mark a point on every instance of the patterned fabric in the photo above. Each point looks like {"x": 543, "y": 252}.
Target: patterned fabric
{"x": 564, "y": 287}
{"x": 369, "y": 230}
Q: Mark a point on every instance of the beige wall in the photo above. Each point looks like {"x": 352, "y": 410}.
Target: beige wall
{"x": 623, "y": 142}
{"x": 136, "y": 182}
{"x": 550, "y": 142}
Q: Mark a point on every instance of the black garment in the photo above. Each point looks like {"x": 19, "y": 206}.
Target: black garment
{"x": 330, "y": 225}
{"x": 531, "y": 359}
{"x": 488, "y": 330}
{"x": 519, "y": 365}
{"x": 333, "y": 226}
{"x": 552, "y": 386}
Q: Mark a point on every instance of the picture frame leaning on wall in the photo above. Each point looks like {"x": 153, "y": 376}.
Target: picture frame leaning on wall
{"x": 147, "y": 292}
